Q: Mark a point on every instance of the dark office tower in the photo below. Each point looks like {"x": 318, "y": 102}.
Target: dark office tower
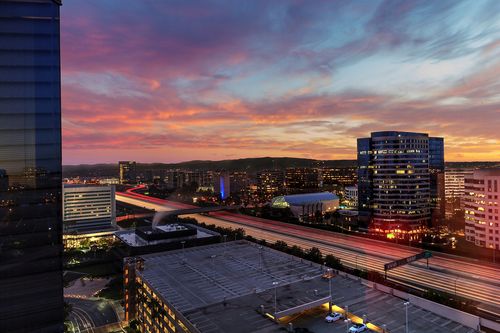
{"x": 128, "y": 172}
{"x": 31, "y": 288}
{"x": 365, "y": 194}
{"x": 437, "y": 186}
{"x": 394, "y": 179}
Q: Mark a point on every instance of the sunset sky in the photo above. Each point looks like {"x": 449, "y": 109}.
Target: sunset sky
{"x": 169, "y": 81}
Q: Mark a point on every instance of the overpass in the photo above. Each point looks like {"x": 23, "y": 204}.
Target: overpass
{"x": 200, "y": 210}
{"x": 189, "y": 211}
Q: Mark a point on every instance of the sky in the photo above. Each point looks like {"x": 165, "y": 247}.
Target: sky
{"x": 178, "y": 80}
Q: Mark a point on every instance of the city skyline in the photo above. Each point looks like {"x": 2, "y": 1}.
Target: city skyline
{"x": 114, "y": 241}
{"x": 185, "y": 81}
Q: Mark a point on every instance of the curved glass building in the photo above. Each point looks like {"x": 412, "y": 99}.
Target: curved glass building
{"x": 395, "y": 179}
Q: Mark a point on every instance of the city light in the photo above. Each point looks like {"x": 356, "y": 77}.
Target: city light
{"x": 187, "y": 166}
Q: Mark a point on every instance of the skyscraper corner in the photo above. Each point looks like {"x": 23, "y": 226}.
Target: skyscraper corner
{"x": 31, "y": 286}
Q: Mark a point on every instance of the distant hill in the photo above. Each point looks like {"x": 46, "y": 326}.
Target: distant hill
{"x": 251, "y": 165}
{"x": 472, "y": 165}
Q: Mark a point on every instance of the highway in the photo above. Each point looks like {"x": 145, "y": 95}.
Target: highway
{"x": 455, "y": 275}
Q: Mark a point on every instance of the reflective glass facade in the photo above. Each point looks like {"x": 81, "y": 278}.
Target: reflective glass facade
{"x": 31, "y": 288}
{"x": 436, "y": 170}
{"x": 398, "y": 178}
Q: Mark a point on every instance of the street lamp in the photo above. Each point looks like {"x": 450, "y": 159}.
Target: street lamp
{"x": 275, "y": 284}
{"x": 406, "y": 308}
{"x": 347, "y": 322}
{"x": 330, "y": 275}
{"x": 213, "y": 259}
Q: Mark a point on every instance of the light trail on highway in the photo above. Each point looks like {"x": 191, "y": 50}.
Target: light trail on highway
{"x": 461, "y": 277}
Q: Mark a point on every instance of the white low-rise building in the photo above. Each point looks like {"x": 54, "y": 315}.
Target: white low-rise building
{"x": 351, "y": 197}
{"x": 88, "y": 208}
{"x": 307, "y": 204}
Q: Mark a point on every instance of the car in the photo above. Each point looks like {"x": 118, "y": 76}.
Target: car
{"x": 333, "y": 316}
{"x": 356, "y": 328}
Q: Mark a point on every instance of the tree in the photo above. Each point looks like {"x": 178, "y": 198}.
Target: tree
{"x": 333, "y": 262}
{"x": 318, "y": 216}
{"x": 314, "y": 255}
{"x": 239, "y": 233}
{"x": 281, "y": 246}
{"x": 297, "y": 251}
{"x": 67, "y": 309}
{"x": 250, "y": 239}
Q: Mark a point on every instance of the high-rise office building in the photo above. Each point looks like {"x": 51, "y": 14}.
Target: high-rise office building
{"x": 394, "y": 179}
{"x": 454, "y": 180}
{"x": 300, "y": 179}
{"x": 31, "y": 285}
{"x": 128, "y": 172}
{"x": 238, "y": 181}
{"x": 436, "y": 176}
{"x": 270, "y": 181}
{"x": 482, "y": 208}
{"x": 338, "y": 176}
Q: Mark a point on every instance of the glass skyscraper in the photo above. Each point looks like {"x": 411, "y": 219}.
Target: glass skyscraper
{"x": 31, "y": 287}
{"x": 398, "y": 178}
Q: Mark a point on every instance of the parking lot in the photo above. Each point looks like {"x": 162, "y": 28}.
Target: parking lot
{"x": 378, "y": 308}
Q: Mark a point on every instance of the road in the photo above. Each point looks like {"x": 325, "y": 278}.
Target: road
{"x": 455, "y": 275}
{"x": 86, "y": 314}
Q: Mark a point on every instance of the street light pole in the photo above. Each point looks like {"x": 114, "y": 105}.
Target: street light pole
{"x": 347, "y": 321}
{"x": 406, "y": 307}
{"x": 275, "y": 284}
{"x": 183, "y": 257}
{"x": 330, "y": 274}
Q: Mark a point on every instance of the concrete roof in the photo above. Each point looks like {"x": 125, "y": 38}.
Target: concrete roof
{"x": 221, "y": 287}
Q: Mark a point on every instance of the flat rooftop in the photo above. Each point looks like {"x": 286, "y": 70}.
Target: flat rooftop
{"x": 222, "y": 285}
{"x": 201, "y": 276}
{"x": 130, "y": 237}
